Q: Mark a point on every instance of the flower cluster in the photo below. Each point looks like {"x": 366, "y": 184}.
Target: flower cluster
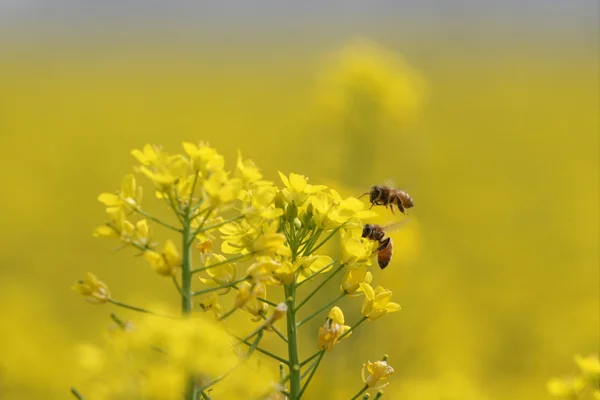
{"x": 574, "y": 386}
{"x": 241, "y": 238}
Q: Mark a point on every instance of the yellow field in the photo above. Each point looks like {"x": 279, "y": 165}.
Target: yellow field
{"x": 497, "y": 272}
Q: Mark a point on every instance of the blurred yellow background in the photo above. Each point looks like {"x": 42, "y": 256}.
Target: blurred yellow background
{"x": 499, "y": 284}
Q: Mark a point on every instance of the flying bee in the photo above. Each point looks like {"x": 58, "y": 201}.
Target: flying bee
{"x": 385, "y": 248}
{"x": 381, "y": 195}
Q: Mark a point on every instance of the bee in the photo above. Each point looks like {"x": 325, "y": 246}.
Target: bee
{"x": 381, "y": 195}
{"x": 385, "y": 248}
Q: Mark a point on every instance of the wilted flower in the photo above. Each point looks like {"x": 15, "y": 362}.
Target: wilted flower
{"x": 374, "y": 373}
{"x": 95, "y": 291}
{"x": 167, "y": 262}
{"x": 330, "y": 332}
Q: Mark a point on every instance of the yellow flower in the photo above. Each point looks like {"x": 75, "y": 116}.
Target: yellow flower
{"x": 162, "y": 169}
{"x": 220, "y": 189}
{"x": 263, "y": 270}
{"x": 597, "y": 394}
{"x": 247, "y": 171}
{"x": 95, "y": 291}
{"x": 297, "y": 190}
{"x": 589, "y": 366}
{"x": 167, "y": 262}
{"x": 143, "y": 233}
{"x": 566, "y": 387}
{"x": 203, "y": 157}
{"x": 310, "y": 265}
{"x": 129, "y": 197}
{"x": 211, "y": 303}
{"x": 221, "y": 274}
{"x": 365, "y": 79}
{"x": 377, "y": 302}
{"x": 353, "y": 278}
{"x": 356, "y": 251}
{"x": 376, "y": 373}
{"x": 247, "y": 299}
{"x": 331, "y": 211}
{"x": 286, "y": 272}
{"x": 330, "y": 332}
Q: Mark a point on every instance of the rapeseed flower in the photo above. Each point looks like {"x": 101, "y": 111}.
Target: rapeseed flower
{"x": 167, "y": 262}
{"x": 220, "y": 275}
{"x": 377, "y": 302}
{"x": 94, "y": 290}
{"x": 375, "y": 374}
{"x": 568, "y": 387}
{"x": 353, "y": 278}
{"x": 330, "y": 332}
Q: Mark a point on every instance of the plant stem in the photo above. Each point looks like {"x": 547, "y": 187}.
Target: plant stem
{"x": 230, "y": 260}
{"x": 261, "y": 350}
{"x": 326, "y": 306}
{"x": 186, "y": 268}
{"x": 363, "y": 319}
{"x": 158, "y": 221}
{"x": 312, "y": 250}
{"x": 316, "y": 273}
{"x": 138, "y": 309}
{"x": 208, "y": 228}
{"x": 309, "y": 359}
{"x": 294, "y": 364}
{"x": 320, "y": 286}
{"x": 77, "y": 395}
{"x": 357, "y": 395}
{"x": 212, "y": 289}
{"x": 312, "y": 373}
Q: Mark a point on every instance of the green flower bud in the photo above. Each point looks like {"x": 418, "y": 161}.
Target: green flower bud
{"x": 291, "y": 212}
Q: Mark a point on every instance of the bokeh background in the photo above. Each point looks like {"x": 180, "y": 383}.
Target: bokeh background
{"x": 496, "y": 140}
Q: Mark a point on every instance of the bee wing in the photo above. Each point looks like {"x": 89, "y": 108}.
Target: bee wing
{"x": 390, "y": 183}
{"x": 395, "y": 226}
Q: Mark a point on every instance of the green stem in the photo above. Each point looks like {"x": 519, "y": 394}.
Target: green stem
{"x": 363, "y": 319}
{"x": 77, "y": 395}
{"x": 158, "y": 221}
{"x": 294, "y": 363}
{"x": 311, "y": 241}
{"x": 228, "y": 313}
{"x": 326, "y": 306}
{"x": 177, "y": 285}
{"x": 208, "y": 228}
{"x": 173, "y": 206}
{"x": 228, "y": 261}
{"x": 379, "y": 394}
{"x": 186, "y": 269}
{"x": 312, "y": 373}
{"x": 312, "y": 250}
{"x": 138, "y": 309}
{"x": 261, "y": 350}
{"x": 225, "y": 286}
{"x": 316, "y": 273}
{"x": 357, "y": 395}
{"x": 277, "y": 332}
{"x": 309, "y": 359}
{"x": 320, "y": 286}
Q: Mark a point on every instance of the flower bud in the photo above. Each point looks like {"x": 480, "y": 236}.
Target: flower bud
{"x": 291, "y": 212}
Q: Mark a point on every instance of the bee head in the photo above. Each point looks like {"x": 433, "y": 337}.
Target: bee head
{"x": 375, "y": 193}
{"x": 367, "y": 230}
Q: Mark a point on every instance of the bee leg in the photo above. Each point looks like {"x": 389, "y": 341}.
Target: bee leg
{"x": 372, "y": 204}
{"x": 392, "y": 209}
{"x": 401, "y": 208}
{"x": 383, "y": 244}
